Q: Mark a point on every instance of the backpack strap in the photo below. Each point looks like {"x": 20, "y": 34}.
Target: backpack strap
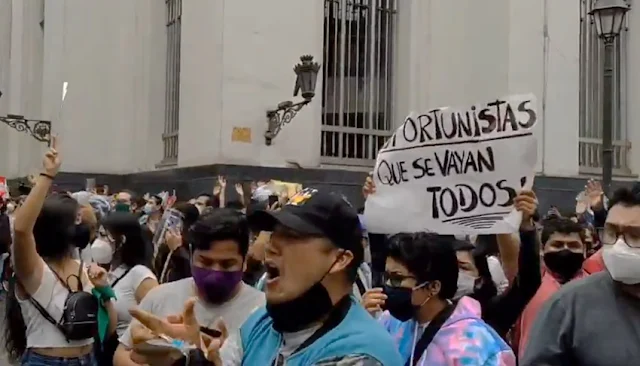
{"x": 429, "y": 333}
{"x": 62, "y": 282}
{"x": 79, "y": 276}
{"x": 360, "y": 285}
{"x": 45, "y": 314}
{"x": 113, "y": 285}
{"x": 65, "y": 283}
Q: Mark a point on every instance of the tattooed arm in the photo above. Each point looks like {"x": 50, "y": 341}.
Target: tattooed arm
{"x": 350, "y": 360}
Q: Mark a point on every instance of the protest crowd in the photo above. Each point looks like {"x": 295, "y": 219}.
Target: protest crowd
{"x": 290, "y": 275}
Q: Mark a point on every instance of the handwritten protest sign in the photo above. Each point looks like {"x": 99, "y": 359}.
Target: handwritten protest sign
{"x": 456, "y": 170}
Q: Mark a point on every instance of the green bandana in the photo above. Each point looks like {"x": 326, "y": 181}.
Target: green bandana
{"x": 103, "y": 294}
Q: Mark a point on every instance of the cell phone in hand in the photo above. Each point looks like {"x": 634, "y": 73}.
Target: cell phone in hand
{"x": 214, "y": 333}
{"x": 272, "y": 199}
{"x": 163, "y": 347}
{"x": 174, "y": 219}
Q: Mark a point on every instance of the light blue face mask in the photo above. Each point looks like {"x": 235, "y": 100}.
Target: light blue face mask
{"x": 148, "y": 209}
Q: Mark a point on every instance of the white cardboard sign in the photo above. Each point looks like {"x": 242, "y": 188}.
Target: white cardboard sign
{"x": 456, "y": 170}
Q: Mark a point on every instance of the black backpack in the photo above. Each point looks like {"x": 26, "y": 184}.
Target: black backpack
{"x": 80, "y": 313}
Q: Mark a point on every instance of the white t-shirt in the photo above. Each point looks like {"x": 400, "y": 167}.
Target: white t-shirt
{"x": 51, "y": 295}
{"x": 169, "y": 298}
{"x": 125, "y": 290}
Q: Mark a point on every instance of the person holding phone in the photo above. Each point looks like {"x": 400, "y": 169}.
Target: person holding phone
{"x": 220, "y": 242}
{"x": 310, "y": 317}
{"x": 173, "y": 258}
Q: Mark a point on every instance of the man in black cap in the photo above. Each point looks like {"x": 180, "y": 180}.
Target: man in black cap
{"x": 310, "y": 318}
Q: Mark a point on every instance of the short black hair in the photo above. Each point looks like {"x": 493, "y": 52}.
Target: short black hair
{"x": 157, "y": 199}
{"x": 221, "y": 224}
{"x": 212, "y": 201}
{"x": 561, "y": 225}
{"x": 429, "y": 257}
{"x": 626, "y": 196}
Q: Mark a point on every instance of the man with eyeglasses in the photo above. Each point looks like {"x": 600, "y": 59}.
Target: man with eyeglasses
{"x": 596, "y": 321}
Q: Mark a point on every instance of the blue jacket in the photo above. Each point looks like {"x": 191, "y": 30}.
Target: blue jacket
{"x": 357, "y": 334}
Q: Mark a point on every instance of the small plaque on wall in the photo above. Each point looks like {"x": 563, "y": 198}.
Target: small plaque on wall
{"x": 241, "y": 134}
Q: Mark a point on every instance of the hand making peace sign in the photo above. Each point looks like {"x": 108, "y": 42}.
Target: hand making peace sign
{"x": 51, "y": 161}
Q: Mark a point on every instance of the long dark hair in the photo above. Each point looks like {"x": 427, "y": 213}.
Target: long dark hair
{"x": 133, "y": 249}
{"x": 180, "y": 267}
{"x": 53, "y": 232}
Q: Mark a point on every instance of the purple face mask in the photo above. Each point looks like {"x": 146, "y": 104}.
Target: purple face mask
{"x": 215, "y": 286}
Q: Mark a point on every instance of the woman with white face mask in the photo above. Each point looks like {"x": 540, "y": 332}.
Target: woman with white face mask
{"x": 120, "y": 247}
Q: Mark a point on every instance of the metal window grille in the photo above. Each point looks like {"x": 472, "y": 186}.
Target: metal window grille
{"x": 592, "y": 72}
{"x": 358, "y": 80}
{"x": 172, "y": 97}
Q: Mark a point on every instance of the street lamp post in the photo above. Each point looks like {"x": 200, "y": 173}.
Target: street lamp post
{"x": 307, "y": 76}
{"x": 38, "y": 129}
{"x": 608, "y": 16}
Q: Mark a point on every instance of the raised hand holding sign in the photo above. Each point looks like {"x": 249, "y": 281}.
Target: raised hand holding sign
{"x": 455, "y": 170}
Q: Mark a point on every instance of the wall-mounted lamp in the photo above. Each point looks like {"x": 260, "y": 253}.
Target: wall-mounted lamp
{"x": 38, "y": 129}
{"x": 307, "y": 76}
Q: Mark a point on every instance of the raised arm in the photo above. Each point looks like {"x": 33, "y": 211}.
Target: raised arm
{"x": 503, "y": 310}
{"x": 509, "y": 248}
{"x": 28, "y": 265}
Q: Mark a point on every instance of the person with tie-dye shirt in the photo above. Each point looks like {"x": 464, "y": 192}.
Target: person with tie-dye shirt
{"x": 420, "y": 280}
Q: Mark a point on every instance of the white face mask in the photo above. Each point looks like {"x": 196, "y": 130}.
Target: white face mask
{"x": 101, "y": 251}
{"x": 622, "y": 262}
{"x": 466, "y": 285}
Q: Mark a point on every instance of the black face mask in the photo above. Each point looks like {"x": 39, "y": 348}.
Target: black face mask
{"x": 297, "y": 314}
{"x": 399, "y": 302}
{"x": 82, "y": 236}
{"x": 564, "y": 263}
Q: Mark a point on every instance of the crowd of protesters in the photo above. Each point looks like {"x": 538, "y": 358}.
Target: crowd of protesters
{"x": 291, "y": 276}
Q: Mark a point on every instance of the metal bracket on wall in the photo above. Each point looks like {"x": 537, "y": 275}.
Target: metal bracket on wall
{"x": 38, "y": 129}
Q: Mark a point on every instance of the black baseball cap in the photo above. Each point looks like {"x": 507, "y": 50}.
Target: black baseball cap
{"x": 316, "y": 213}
